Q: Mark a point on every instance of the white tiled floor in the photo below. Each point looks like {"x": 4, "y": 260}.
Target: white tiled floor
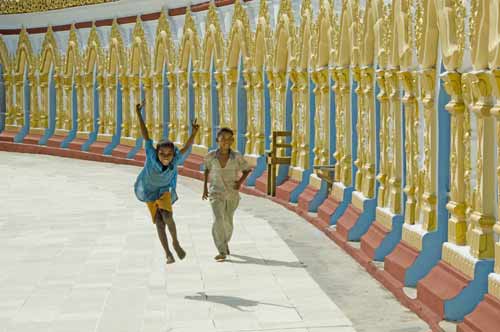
{"x": 78, "y": 252}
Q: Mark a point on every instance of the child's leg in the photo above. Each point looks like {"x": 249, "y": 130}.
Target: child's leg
{"x": 162, "y": 235}
{"x": 230, "y": 208}
{"x": 218, "y": 229}
{"x": 169, "y": 221}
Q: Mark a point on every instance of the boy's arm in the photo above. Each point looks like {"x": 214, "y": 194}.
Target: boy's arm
{"x": 144, "y": 129}
{"x": 190, "y": 140}
{"x": 244, "y": 175}
{"x": 205, "y": 184}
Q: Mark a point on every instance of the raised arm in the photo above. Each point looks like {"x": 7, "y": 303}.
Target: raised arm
{"x": 144, "y": 129}
{"x": 195, "y": 126}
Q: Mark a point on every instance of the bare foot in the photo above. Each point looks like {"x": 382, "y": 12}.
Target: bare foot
{"x": 180, "y": 252}
{"x": 170, "y": 259}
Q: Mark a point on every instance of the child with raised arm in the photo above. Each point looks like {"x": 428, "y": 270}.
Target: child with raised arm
{"x": 223, "y": 167}
{"x": 157, "y": 182}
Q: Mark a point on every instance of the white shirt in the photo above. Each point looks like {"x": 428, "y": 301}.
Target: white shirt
{"x": 222, "y": 179}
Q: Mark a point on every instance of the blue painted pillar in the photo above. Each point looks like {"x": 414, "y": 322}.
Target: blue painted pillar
{"x": 3, "y": 106}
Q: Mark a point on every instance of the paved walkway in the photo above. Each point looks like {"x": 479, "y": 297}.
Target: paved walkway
{"x": 78, "y": 253}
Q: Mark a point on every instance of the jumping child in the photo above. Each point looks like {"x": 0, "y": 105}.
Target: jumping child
{"x": 223, "y": 166}
{"x": 157, "y": 182}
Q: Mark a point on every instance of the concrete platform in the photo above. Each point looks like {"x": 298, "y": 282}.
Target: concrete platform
{"x": 79, "y": 253}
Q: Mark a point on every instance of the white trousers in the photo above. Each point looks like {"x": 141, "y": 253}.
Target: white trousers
{"x": 222, "y": 228}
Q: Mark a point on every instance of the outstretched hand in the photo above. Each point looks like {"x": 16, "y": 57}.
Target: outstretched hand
{"x": 138, "y": 107}
{"x": 195, "y": 125}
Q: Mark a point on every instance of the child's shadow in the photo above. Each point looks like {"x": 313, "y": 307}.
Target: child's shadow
{"x": 234, "y": 302}
{"x": 264, "y": 261}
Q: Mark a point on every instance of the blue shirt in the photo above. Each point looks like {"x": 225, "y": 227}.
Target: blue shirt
{"x": 156, "y": 179}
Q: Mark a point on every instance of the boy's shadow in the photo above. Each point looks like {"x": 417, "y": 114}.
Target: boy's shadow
{"x": 234, "y": 302}
{"x": 264, "y": 261}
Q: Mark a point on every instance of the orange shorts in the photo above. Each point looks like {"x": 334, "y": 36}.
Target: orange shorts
{"x": 164, "y": 203}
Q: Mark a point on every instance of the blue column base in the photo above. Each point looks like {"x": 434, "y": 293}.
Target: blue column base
{"x": 2, "y": 121}
{"x": 111, "y": 146}
{"x": 49, "y": 132}
{"x": 463, "y": 304}
{"x": 391, "y": 240}
{"x": 346, "y": 200}
{"x": 294, "y": 195}
{"x": 428, "y": 258}
{"x": 137, "y": 148}
{"x": 88, "y": 143}
{"x": 257, "y": 171}
{"x": 69, "y": 139}
{"x": 282, "y": 174}
{"x": 22, "y": 134}
{"x": 366, "y": 218}
{"x": 319, "y": 197}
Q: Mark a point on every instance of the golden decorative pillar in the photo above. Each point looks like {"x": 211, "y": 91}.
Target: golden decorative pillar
{"x": 409, "y": 82}
{"x": 127, "y": 84}
{"x": 360, "y": 128}
{"x": 369, "y": 167}
{"x": 110, "y": 103}
{"x": 158, "y": 116}
{"x": 342, "y": 155}
{"x": 183, "y": 107}
{"x": 395, "y": 138}
{"x": 322, "y": 93}
{"x": 101, "y": 88}
{"x": 303, "y": 121}
{"x": 88, "y": 106}
{"x": 457, "y": 225}
{"x": 59, "y": 85}
{"x": 83, "y": 117}
{"x": 34, "y": 109}
{"x": 9, "y": 88}
{"x": 482, "y": 217}
{"x": 494, "y": 283}
{"x": 295, "y": 140}
{"x": 230, "y": 83}
{"x": 174, "y": 104}
{"x": 205, "y": 137}
{"x": 44, "y": 101}
{"x": 17, "y": 115}
{"x": 255, "y": 145}
{"x": 384, "y": 168}
{"x": 427, "y": 186}
{"x": 149, "y": 107}
{"x": 133, "y": 97}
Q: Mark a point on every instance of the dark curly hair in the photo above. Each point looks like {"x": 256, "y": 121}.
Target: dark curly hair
{"x": 165, "y": 143}
{"x": 224, "y": 130}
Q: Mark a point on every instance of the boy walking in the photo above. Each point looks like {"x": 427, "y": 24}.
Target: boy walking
{"x": 223, "y": 167}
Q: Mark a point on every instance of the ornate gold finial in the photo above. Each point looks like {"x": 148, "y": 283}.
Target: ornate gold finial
{"x": 73, "y": 46}
{"x": 263, "y": 10}
{"x": 164, "y": 28}
{"x": 189, "y": 31}
{"x": 49, "y": 41}
{"x": 240, "y": 15}
{"x": 116, "y": 40}
{"x": 139, "y": 40}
